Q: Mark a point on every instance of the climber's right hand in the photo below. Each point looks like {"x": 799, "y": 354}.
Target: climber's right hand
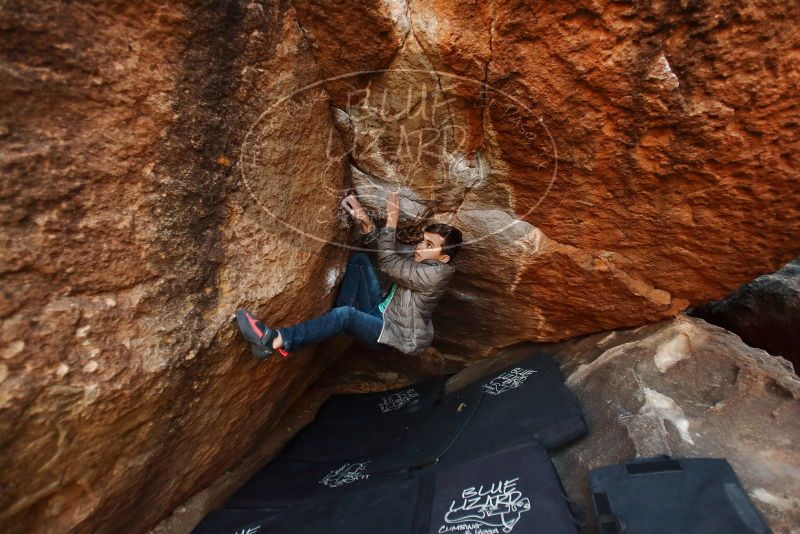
{"x": 355, "y": 209}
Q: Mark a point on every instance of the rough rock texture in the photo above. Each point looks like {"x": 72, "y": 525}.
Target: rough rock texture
{"x": 689, "y": 389}
{"x": 130, "y": 235}
{"x": 166, "y": 163}
{"x": 765, "y": 313}
{"x": 644, "y": 153}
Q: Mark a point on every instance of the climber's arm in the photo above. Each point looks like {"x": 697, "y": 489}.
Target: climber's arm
{"x": 405, "y": 271}
{"x": 369, "y": 234}
{"x": 392, "y": 209}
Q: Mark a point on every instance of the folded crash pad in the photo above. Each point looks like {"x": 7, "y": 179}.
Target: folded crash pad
{"x": 511, "y": 491}
{"x": 526, "y": 402}
{"x": 235, "y": 521}
{"x": 431, "y": 435}
{"x": 663, "y": 495}
{"x": 289, "y": 483}
{"x": 392, "y": 510}
{"x": 360, "y": 408}
{"x": 334, "y": 442}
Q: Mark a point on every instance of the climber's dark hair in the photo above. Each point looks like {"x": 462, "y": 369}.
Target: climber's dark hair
{"x": 452, "y": 237}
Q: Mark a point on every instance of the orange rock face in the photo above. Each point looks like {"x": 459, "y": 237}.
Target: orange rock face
{"x": 133, "y": 227}
{"x": 609, "y": 163}
{"x": 163, "y": 165}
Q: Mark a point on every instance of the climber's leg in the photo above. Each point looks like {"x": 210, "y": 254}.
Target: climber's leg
{"x": 260, "y": 337}
{"x": 366, "y": 327}
{"x": 360, "y": 287}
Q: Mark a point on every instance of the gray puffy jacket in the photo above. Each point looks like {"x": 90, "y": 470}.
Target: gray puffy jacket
{"x": 407, "y": 324}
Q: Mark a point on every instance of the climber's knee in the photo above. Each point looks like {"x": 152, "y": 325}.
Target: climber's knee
{"x": 346, "y": 314}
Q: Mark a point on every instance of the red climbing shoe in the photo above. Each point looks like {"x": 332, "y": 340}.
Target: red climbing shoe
{"x": 257, "y": 334}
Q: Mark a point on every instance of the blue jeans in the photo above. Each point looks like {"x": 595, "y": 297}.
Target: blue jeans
{"x": 356, "y": 312}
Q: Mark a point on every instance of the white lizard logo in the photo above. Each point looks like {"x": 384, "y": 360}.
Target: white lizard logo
{"x": 345, "y": 474}
{"x": 501, "y": 505}
{"x": 395, "y": 401}
{"x": 510, "y": 380}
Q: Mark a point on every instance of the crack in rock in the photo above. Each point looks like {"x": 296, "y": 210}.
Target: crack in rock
{"x": 430, "y": 29}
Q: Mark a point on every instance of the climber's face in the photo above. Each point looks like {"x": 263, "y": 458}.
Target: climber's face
{"x": 430, "y": 248}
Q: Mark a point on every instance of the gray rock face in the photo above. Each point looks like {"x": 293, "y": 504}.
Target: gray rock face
{"x": 765, "y": 313}
{"x": 688, "y": 389}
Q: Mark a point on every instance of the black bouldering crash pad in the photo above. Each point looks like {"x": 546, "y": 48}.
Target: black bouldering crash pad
{"x": 525, "y": 402}
{"x": 511, "y": 491}
{"x": 360, "y": 427}
{"x": 361, "y": 408}
{"x": 334, "y": 442}
{"x": 470, "y": 463}
{"x": 392, "y": 510}
{"x": 289, "y": 482}
{"x": 236, "y": 521}
{"x": 431, "y": 435}
{"x": 662, "y": 495}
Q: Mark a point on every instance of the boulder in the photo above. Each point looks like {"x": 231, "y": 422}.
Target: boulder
{"x": 765, "y": 313}
{"x": 137, "y": 215}
{"x": 686, "y": 388}
{"x": 609, "y": 164}
{"x": 163, "y": 165}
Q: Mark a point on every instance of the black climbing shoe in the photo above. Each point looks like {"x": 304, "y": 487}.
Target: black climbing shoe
{"x": 258, "y": 352}
{"x": 257, "y": 334}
